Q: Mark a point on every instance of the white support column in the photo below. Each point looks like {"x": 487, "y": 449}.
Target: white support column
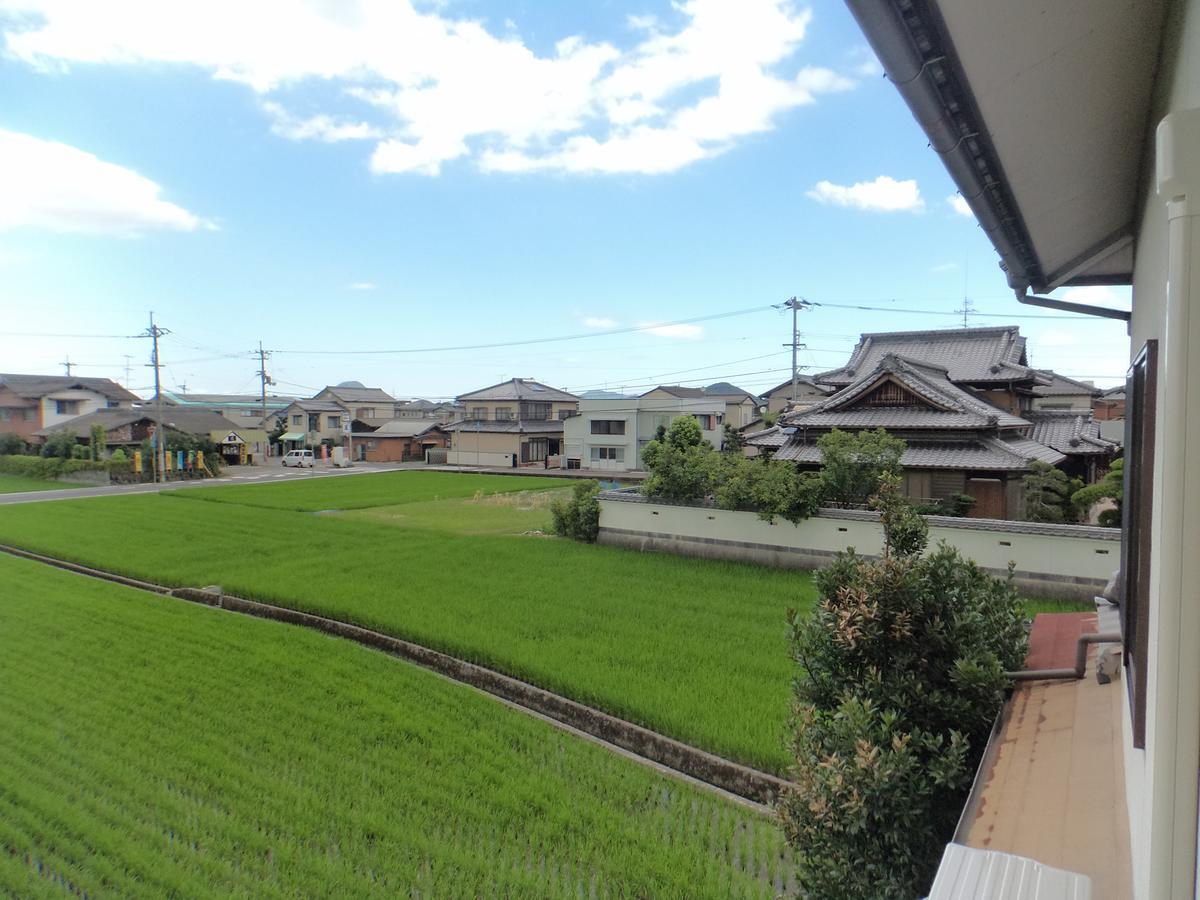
{"x": 1173, "y": 686}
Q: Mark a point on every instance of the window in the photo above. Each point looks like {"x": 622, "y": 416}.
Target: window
{"x": 504, "y": 413}
{"x": 707, "y": 422}
{"x": 113, "y": 404}
{"x": 1140, "y": 388}
{"x": 66, "y": 407}
{"x": 536, "y": 450}
{"x": 333, "y": 421}
{"x": 479, "y": 413}
{"x": 662, "y": 422}
{"x": 568, "y": 414}
{"x": 611, "y": 454}
{"x": 535, "y": 410}
{"x": 314, "y": 422}
{"x": 365, "y": 412}
{"x": 608, "y": 426}
{"x": 298, "y": 419}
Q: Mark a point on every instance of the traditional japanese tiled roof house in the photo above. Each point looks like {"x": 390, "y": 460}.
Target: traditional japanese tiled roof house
{"x": 961, "y": 400}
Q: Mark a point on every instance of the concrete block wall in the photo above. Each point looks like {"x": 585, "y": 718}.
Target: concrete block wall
{"x": 1069, "y": 562}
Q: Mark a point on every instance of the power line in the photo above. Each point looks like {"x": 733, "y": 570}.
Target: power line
{"x": 547, "y": 340}
{"x": 954, "y": 312}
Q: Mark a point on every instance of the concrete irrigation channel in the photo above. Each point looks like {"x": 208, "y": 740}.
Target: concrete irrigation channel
{"x": 670, "y": 756}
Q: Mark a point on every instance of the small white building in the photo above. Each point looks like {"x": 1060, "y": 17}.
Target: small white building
{"x": 610, "y": 434}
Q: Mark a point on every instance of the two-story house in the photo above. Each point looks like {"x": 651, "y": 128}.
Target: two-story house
{"x": 741, "y": 406}
{"x": 610, "y": 433}
{"x": 518, "y": 422}
{"x": 321, "y": 418}
{"x": 31, "y": 403}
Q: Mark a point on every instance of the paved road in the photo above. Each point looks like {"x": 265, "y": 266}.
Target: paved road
{"x": 230, "y": 475}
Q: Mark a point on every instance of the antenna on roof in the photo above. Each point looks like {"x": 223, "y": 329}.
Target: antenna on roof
{"x": 67, "y": 365}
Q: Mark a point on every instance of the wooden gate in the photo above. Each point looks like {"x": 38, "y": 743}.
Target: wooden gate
{"x": 989, "y": 498}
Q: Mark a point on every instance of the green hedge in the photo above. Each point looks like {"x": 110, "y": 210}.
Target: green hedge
{"x": 49, "y": 467}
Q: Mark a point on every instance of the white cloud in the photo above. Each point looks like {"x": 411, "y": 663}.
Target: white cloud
{"x": 944, "y": 267}
{"x": 1096, "y": 295}
{"x": 599, "y": 322}
{"x": 362, "y": 286}
{"x": 319, "y": 127}
{"x": 688, "y": 332}
{"x": 866, "y": 64}
{"x": 439, "y": 88}
{"x": 1055, "y": 338}
{"x": 960, "y": 205}
{"x": 46, "y": 184}
{"x": 884, "y": 194}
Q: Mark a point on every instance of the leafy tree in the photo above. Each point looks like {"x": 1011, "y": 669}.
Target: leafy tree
{"x": 732, "y": 441}
{"x": 772, "y": 487}
{"x": 901, "y": 674}
{"x": 682, "y": 466}
{"x": 905, "y": 531}
{"x": 579, "y": 517}
{"x": 59, "y": 444}
{"x": 853, "y": 464}
{"x": 769, "y": 419}
{"x": 1048, "y": 494}
{"x": 11, "y": 444}
{"x": 1112, "y": 487}
{"x": 98, "y": 441}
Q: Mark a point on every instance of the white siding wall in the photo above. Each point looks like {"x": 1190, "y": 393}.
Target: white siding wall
{"x": 1161, "y": 779}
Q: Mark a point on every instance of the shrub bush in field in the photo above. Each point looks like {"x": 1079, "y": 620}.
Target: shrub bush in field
{"x": 579, "y": 517}
{"x": 11, "y": 444}
{"x": 902, "y": 666}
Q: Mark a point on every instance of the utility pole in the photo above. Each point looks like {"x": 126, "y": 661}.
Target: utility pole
{"x": 264, "y": 380}
{"x": 67, "y": 365}
{"x": 160, "y": 452}
{"x": 795, "y": 305}
{"x": 968, "y": 309}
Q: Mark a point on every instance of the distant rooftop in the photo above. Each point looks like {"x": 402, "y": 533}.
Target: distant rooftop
{"x": 977, "y": 355}
{"x": 519, "y": 389}
{"x": 33, "y": 386}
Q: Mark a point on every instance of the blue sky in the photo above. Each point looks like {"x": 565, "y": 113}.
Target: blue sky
{"x": 339, "y": 179}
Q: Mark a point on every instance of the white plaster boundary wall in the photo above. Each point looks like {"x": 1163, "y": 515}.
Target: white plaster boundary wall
{"x": 1054, "y": 561}
{"x": 472, "y": 458}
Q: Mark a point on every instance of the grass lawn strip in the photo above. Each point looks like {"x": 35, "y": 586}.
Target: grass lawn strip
{"x": 150, "y": 748}
{"x": 17, "y": 484}
{"x": 693, "y": 649}
{"x": 362, "y": 491}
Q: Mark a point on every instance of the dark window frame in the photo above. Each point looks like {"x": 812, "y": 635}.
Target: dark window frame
{"x": 608, "y": 426}
{"x": 1141, "y": 389}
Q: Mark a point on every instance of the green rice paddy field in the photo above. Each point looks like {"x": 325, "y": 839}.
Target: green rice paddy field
{"x": 17, "y": 484}
{"x": 691, "y": 648}
{"x": 152, "y": 748}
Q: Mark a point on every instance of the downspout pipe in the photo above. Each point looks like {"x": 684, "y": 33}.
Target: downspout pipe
{"x": 1023, "y": 296}
{"x": 1104, "y": 637}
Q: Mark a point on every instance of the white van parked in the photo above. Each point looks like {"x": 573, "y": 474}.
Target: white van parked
{"x": 299, "y": 458}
